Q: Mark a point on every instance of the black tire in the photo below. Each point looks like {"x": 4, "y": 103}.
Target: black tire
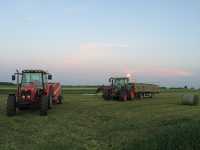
{"x": 11, "y": 105}
{"x": 22, "y": 108}
{"x": 50, "y": 101}
{"x": 60, "y": 99}
{"x": 107, "y": 95}
{"x": 44, "y": 105}
{"x": 104, "y": 96}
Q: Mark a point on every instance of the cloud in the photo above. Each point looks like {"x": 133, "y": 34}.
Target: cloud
{"x": 96, "y": 60}
{"x": 94, "y": 53}
{"x": 174, "y": 72}
{"x": 160, "y": 72}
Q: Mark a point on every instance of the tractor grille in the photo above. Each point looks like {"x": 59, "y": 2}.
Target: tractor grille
{"x": 26, "y": 95}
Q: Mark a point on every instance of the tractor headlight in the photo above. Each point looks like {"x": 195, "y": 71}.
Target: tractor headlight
{"x": 28, "y": 97}
{"x": 23, "y": 97}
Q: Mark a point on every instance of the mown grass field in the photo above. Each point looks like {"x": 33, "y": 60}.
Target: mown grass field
{"x": 66, "y": 89}
{"x": 87, "y": 122}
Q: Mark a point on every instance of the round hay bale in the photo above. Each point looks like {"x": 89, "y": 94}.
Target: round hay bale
{"x": 190, "y": 99}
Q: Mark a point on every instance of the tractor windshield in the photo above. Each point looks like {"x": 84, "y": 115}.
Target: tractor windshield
{"x": 32, "y": 78}
{"x": 119, "y": 83}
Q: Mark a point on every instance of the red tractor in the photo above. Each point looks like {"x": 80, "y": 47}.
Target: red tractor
{"x": 122, "y": 89}
{"x": 119, "y": 89}
{"x": 34, "y": 90}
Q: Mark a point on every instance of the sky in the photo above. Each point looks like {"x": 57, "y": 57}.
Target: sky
{"x": 87, "y": 41}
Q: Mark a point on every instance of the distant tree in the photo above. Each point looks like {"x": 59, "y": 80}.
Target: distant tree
{"x": 176, "y": 88}
{"x": 6, "y": 83}
{"x": 185, "y": 87}
{"x": 163, "y": 88}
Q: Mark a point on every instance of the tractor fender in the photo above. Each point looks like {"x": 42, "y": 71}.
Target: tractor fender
{"x": 49, "y": 89}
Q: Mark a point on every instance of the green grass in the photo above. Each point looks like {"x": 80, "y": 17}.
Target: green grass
{"x": 87, "y": 122}
{"x": 6, "y": 89}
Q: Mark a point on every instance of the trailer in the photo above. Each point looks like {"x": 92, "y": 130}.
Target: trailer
{"x": 143, "y": 90}
{"x": 122, "y": 89}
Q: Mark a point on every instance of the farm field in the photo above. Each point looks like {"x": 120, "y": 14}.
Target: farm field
{"x": 99, "y": 75}
{"x": 5, "y": 89}
{"x": 88, "y": 122}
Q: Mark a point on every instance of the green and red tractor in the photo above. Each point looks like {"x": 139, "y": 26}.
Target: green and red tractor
{"x": 122, "y": 89}
{"x": 33, "y": 89}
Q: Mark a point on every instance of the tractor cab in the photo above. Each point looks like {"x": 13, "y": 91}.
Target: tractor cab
{"x": 119, "y": 83}
{"x": 119, "y": 89}
{"x": 31, "y": 84}
{"x": 37, "y": 77}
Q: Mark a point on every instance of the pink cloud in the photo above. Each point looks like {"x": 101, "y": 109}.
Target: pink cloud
{"x": 160, "y": 72}
{"x": 173, "y": 72}
{"x": 97, "y": 57}
{"x": 92, "y": 54}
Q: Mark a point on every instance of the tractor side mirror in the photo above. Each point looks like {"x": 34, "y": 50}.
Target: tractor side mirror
{"x": 110, "y": 80}
{"x": 13, "y": 77}
{"x": 49, "y": 77}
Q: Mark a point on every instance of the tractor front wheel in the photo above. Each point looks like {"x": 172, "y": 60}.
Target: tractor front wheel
{"x": 44, "y": 105}
{"x": 50, "y": 101}
{"x": 11, "y": 105}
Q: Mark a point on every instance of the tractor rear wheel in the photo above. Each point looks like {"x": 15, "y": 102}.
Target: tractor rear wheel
{"x": 44, "y": 105}
{"x": 11, "y": 105}
{"x": 104, "y": 96}
{"x": 107, "y": 95}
